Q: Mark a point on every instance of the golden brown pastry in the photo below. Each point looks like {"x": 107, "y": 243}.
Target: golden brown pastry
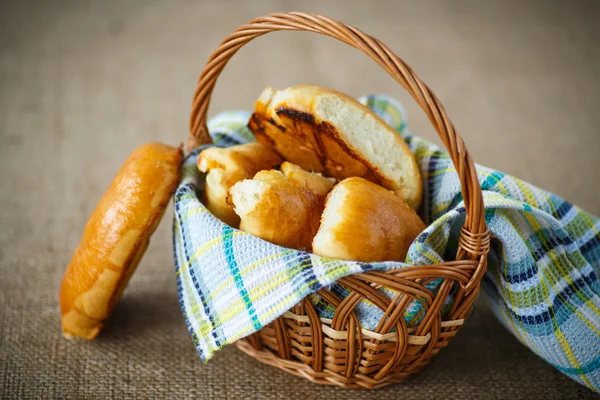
{"x": 281, "y": 209}
{"x": 319, "y": 184}
{"x": 225, "y": 167}
{"x": 364, "y": 222}
{"x": 218, "y": 182}
{"x": 325, "y": 131}
{"x": 116, "y": 237}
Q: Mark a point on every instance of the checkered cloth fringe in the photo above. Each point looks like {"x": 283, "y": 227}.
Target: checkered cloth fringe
{"x": 542, "y": 280}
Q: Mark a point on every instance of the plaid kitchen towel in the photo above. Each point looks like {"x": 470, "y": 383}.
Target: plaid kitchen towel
{"x": 542, "y": 279}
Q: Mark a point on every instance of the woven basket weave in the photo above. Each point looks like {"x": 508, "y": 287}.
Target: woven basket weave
{"x": 338, "y": 351}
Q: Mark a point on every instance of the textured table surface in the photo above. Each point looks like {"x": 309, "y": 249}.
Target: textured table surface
{"x": 83, "y": 83}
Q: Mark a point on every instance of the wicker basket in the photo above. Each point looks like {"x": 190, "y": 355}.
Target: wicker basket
{"x": 337, "y": 351}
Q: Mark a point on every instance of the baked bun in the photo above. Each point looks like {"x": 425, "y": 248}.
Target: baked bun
{"x": 364, "y": 222}
{"x": 280, "y": 209}
{"x": 218, "y": 183}
{"x": 116, "y": 237}
{"x": 225, "y": 167}
{"x": 325, "y": 131}
{"x": 317, "y": 183}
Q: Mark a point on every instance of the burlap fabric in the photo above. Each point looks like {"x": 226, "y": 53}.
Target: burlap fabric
{"x": 83, "y": 83}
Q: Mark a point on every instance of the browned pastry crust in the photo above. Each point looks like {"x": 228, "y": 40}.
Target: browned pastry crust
{"x": 116, "y": 236}
{"x": 281, "y": 207}
{"x": 364, "y": 222}
{"x": 225, "y": 167}
{"x": 317, "y": 183}
{"x": 325, "y": 131}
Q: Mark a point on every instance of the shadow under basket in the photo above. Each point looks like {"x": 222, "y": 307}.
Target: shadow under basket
{"x": 338, "y": 351}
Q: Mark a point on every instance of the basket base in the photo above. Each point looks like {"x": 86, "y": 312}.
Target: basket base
{"x": 330, "y": 378}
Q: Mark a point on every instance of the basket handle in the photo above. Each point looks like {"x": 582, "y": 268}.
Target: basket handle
{"x": 474, "y": 240}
